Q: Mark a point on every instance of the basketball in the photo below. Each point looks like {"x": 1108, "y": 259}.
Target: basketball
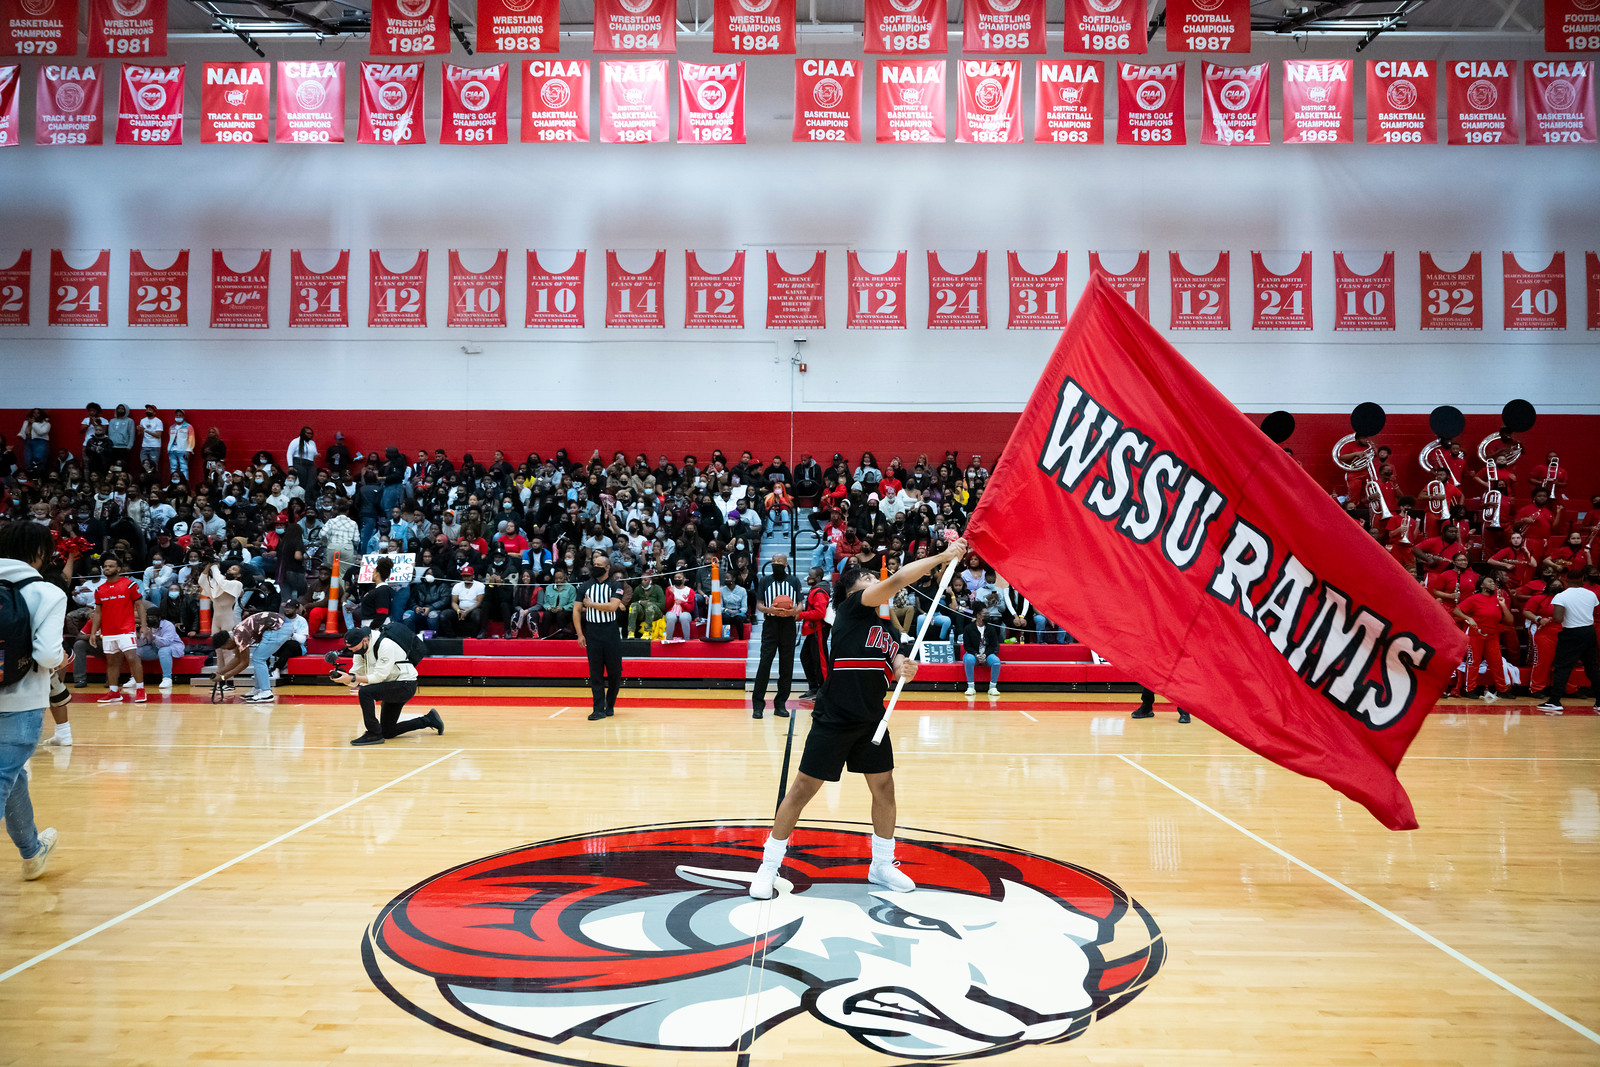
{"x": 783, "y": 603}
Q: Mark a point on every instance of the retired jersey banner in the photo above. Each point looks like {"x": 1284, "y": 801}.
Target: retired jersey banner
{"x": 1036, "y": 301}
{"x": 827, "y": 100}
{"x": 633, "y": 101}
{"x": 1535, "y": 299}
{"x": 1319, "y": 101}
{"x": 1262, "y": 608}
{"x": 710, "y": 103}
{"x": 474, "y": 104}
{"x": 310, "y": 103}
{"x": 636, "y": 26}
{"x": 1282, "y": 301}
{"x": 1200, "y": 301}
{"x": 41, "y": 28}
{"x": 319, "y": 298}
{"x": 910, "y": 100}
{"x": 1558, "y": 102}
{"x": 1481, "y": 101}
{"x": 1591, "y": 266}
{"x": 1452, "y": 299}
{"x": 16, "y": 289}
{"x": 1069, "y": 102}
{"x": 397, "y": 298}
{"x": 1402, "y": 100}
{"x": 124, "y": 29}
{"x": 989, "y": 101}
{"x": 234, "y": 98}
{"x": 405, "y": 28}
{"x": 1208, "y": 25}
{"x": 1133, "y": 286}
{"x": 636, "y": 299}
{"x": 1571, "y": 26}
{"x": 1363, "y": 301}
{"x": 752, "y": 27}
{"x": 1150, "y": 104}
{"x": 69, "y": 105}
{"x": 797, "y": 301}
{"x": 555, "y": 298}
{"x": 1106, "y": 27}
{"x": 158, "y": 296}
{"x": 391, "y": 104}
{"x": 713, "y": 300}
{"x": 239, "y": 297}
{"x": 1234, "y": 105}
{"x": 519, "y": 26}
{"x": 555, "y": 100}
{"x": 958, "y": 300}
{"x": 1002, "y": 27}
{"x": 10, "y": 112}
{"x": 150, "y": 105}
{"x": 905, "y": 27}
{"x": 477, "y": 298}
{"x": 79, "y": 296}
{"x": 875, "y": 301}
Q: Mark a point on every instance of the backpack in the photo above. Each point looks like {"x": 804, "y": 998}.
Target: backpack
{"x": 415, "y": 648}
{"x": 16, "y": 632}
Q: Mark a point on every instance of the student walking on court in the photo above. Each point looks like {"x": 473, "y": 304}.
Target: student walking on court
{"x": 776, "y": 598}
{"x": 117, "y": 626}
{"x": 1573, "y": 610}
{"x": 602, "y": 605}
{"x": 381, "y": 673}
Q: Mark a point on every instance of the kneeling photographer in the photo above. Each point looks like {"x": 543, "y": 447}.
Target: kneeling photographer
{"x": 383, "y": 672}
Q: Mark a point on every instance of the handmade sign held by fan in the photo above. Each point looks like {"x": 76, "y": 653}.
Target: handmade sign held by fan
{"x": 922, "y": 631}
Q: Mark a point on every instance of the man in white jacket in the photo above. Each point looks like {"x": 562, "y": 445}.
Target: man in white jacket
{"x": 380, "y": 673}
{"x": 24, "y": 548}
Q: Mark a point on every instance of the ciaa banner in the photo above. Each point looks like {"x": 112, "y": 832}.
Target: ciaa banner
{"x": 1137, "y": 507}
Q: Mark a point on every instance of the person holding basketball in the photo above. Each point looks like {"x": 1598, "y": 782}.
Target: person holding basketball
{"x": 864, "y": 656}
{"x": 775, "y": 600}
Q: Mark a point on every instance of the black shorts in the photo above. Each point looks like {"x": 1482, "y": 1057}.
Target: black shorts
{"x": 830, "y": 748}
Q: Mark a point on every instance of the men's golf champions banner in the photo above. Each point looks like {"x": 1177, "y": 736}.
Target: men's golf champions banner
{"x": 1135, "y": 506}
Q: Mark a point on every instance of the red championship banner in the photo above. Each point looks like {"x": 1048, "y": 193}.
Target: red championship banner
{"x": 710, "y": 103}
{"x": 633, "y": 101}
{"x": 519, "y": 26}
{"x": 405, "y": 28}
{"x": 310, "y": 103}
{"x": 1319, "y": 101}
{"x": 38, "y": 28}
{"x": 474, "y": 104}
{"x": 875, "y": 301}
{"x": 1036, "y": 301}
{"x": 1069, "y": 102}
{"x": 752, "y": 27}
{"x": 1535, "y": 299}
{"x": 397, "y": 298}
{"x": 555, "y": 298}
{"x": 1282, "y": 301}
{"x": 1002, "y": 27}
{"x": 120, "y": 29}
{"x": 1208, "y": 25}
{"x": 391, "y": 104}
{"x": 1363, "y": 301}
{"x": 1200, "y": 301}
{"x": 989, "y": 101}
{"x": 1133, "y": 286}
{"x": 1150, "y": 103}
{"x": 714, "y": 300}
{"x": 1106, "y": 27}
{"x": 827, "y": 100}
{"x": 16, "y": 289}
{"x": 1571, "y": 26}
{"x": 1261, "y": 609}
{"x": 555, "y": 100}
{"x": 477, "y": 298}
{"x": 10, "y": 111}
{"x": 1452, "y": 299}
{"x": 1558, "y": 102}
{"x": 69, "y": 105}
{"x": 797, "y": 301}
{"x": 1234, "y": 105}
{"x": 1402, "y": 101}
{"x": 319, "y": 298}
{"x": 636, "y": 26}
{"x": 1591, "y": 266}
{"x": 905, "y": 27}
{"x": 150, "y": 105}
{"x": 239, "y": 297}
{"x": 234, "y": 98}
{"x": 636, "y": 300}
{"x": 1481, "y": 101}
{"x": 910, "y": 100}
{"x": 158, "y": 296}
{"x": 79, "y": 295}
{"x": 958, "y": 301}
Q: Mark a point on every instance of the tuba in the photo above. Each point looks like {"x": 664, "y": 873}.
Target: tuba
{"x": 1516, "y": 417}
{"x": 1447, "y": 423}
{"x": 1366, "y": 421}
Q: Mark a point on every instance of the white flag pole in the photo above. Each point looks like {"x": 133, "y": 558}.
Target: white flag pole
{"x": 900, "y": 683}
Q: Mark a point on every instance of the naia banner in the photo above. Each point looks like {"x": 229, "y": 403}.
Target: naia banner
{"x": 150, "y": 105}
{"x": 239, "y": 297}
{"x": 1038, "y": 301}
{"x": 713, "y": 300}
{"x": 795, "y": 301}
{"x": 127, "y": 29}
{"x": 404, "y": 28}
{"x": 989, "y": 101}
{"x": 905, "y": 27}
{"x": 910, "y": 100}
{"x": 233, "y": 103}
{"x": 69, "y": 104}
{"x": 1105, "y": 27}
{"x": 519, "y": 26}
{"x": 1234, "y": 110}
{"x": 827, "y": 100}
{"x": 636, "y": 26}
{"x": 555, "y": 100}
{"x": 158, "y": 296}
{"x": 1208, "y": 25}
{"x": 391, "y": 104}
{"x": 633, "y": 101}
{"x": 1319, "y": 102}
{"x": 474, "y": 104}
{"x": 1262, "y": 609}
{"x": 1069, "y": 102}
{"x": 752, "y": 27}
{"x": 39, "y": 28}
{"x": 710, "y": 103}
{"x": 1002, "y": 27}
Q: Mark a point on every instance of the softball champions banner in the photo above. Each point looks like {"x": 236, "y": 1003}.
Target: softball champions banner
{"x": 1263, "y": 609}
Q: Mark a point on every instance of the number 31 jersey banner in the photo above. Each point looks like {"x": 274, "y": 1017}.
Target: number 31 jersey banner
{"x": 1038, "y": 301}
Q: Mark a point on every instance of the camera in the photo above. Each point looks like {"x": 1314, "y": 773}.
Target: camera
{"x": 331, "y": 659}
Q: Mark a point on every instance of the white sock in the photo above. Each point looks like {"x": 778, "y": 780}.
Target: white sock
{"x": 113, "y": 689}
{"x": 774, "y": 850}
{"x": 882, "y": 849}
{"x": 64, "y": 732}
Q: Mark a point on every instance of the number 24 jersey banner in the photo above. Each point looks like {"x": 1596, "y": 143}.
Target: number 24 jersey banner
{"x": 1260, "y": 607}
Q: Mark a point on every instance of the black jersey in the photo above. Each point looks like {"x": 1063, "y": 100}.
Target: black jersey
{"x": 860, "y": 654}
{"x": 600, "y": 592}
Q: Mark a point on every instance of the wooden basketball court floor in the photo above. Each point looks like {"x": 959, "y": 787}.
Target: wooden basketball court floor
{"x": 221, "y": 867}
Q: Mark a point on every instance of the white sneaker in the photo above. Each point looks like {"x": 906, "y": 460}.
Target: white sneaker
{"x": 166, "y": 683}
{"x": 1490, "y": 696}
{"x": 34, "y": 867}
{"x": 764, "y": 885}
{"x": 971, "y": 692}
{"x": 261, "y": 696}
{"x": 57, "y": 741}
{"x": 886, "y": 873}
{"x": 993, "y": 691}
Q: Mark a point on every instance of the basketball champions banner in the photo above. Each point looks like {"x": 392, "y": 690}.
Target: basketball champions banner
{"x": 1208, "y": 25}
{"x": 910, "y": 100}
{"x": 1558, "y": 102}
{"x": 125, "y": 29}
{"x": 905, "y": 28}
{"x": 404, "y": 28}
{"x": 989, "y": 101}
{"x": 310, "y": 103}
{"x": 150, "y": 105}
{"x": 1262, "y": 609}
{"x": 1069, "y": 103}
{"x": 1402, "y": 102}
{"x": 797, "y": 301}
{"x": 1318, "y": 101}
{"x": 1481, "y": 101}
{"x": 827, "y": 100}
{"x": 555, "y": 100}
{"x": 519, "y": 26}
{"x": 39, "y": 28}
{"x": 633, "y": 101}
{"x": 752, "y": 27}
{"x": 1002, "y": 27}
{"x": 233, "y": 103}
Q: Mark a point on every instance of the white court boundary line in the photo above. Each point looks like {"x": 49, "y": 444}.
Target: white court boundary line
{"x": 175, "y": 890}
{"x": 1403, "y": 923}
{"x": 1025, "y": 715}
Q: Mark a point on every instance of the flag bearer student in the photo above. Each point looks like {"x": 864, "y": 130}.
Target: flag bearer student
{"x": 381, "y": 672}
{"x": 117, "y": 626}
{"x": 252, "y": 643}
{"x": 864, "y": 655}
{"x": 597, "y": 616}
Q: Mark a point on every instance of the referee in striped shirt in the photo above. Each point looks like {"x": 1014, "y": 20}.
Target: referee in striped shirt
{"x": 776, "y": 600}
{"x": 597, "y": 616}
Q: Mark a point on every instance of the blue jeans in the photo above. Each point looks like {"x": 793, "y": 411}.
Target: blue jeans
{"x": 178, "y": 463}
{"x": 19, "y": 736}
{"x": 393, "y": 496}
{"x": 151, "y": 454}
{"x": 159, "y": 652}
{"x": 940, "y": 623}
{"x": 823, "y": 556}
{"x": 970, "y": 662}
{"x": 1047, "y": 632}
{"x": 37, "y": 452}
{"x": 261, "y": 656}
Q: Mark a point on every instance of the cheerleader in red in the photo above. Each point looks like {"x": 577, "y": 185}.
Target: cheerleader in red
{"x": 1485, "y": 614}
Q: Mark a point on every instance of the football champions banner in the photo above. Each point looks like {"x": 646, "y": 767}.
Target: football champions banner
{"x": 1260, "y": 607}
{"x": 1208, "y": 25}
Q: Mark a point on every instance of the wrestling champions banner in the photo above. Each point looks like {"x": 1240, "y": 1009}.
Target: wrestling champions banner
{"x": 1136, "y": 507}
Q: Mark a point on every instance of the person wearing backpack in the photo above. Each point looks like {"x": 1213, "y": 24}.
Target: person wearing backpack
{"x": 32, "y": 615}
{"x": 383, "y": 672}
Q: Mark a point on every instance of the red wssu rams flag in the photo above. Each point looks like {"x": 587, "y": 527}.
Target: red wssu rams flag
{"x": 1139, "y": 509}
